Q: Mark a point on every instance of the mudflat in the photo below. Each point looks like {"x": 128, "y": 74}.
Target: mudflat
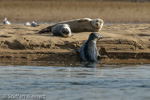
{"x": 121, "y": 43}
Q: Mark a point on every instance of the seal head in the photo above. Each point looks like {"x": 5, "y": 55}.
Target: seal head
{"x": 88, "y": 51}
{"x": 94, "y": 37}
{"x": 66, "y": 32}
{"x": 61, "y": 30}
{"x": 97, "y": 23}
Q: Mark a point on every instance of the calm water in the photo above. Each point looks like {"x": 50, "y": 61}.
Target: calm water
{"x": 107, "y": 82}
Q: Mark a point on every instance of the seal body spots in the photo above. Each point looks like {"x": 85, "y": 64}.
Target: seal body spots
{"x": 85, "y": 25}
{"x": 88, "y": 51}
{"x": 80, "y": 25}
{"x": 5, "y": 21}
{"x": 61, "y": 30}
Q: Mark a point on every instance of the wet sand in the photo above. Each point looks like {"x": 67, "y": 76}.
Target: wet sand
{"x": 122, "y": 43}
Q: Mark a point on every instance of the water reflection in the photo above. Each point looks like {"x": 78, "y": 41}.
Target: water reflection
{"x": 89, "y": 64}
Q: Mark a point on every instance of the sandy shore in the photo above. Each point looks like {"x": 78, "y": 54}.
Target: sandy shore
{"x": 122, "y": 43}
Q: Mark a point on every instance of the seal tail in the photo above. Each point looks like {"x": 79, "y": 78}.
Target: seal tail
{"x": 47, "y": 29}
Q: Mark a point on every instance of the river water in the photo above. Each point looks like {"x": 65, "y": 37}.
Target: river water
{"x": 103, "y": 82}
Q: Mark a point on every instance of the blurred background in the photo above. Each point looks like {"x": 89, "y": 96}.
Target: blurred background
{"x": 51, "y": 11}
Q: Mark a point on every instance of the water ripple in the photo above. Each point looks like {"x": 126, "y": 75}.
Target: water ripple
{"x": 129, "y": 82}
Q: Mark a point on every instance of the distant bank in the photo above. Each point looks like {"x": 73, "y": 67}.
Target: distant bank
{"x": 49, "y": 11}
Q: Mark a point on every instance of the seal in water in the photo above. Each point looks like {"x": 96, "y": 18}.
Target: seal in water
{"x": 80, "y": 25}
{"x": 88, "y": 51}
{"x": 61, "y": 30}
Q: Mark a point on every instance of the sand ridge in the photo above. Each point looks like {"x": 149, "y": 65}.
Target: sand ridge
{"x": 120, "y": 41}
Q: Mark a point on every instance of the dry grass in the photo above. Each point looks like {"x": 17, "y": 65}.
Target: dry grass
{"x": 53, "y": 11}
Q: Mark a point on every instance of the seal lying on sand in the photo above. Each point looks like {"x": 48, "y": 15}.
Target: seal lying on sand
{"x": 80, "y": 25}
{"x": 61, "y": 30}
{"x": 88, "y": 51}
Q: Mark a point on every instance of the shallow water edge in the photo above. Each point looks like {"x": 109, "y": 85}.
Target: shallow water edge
{"x": 113, "y": 82}
{"x": 72, "y": 64}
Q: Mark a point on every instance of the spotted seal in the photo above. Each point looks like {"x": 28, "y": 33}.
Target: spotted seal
{"x": 61, "y": 30}
{"x": 80, "y": 25}
{"x": 88, "y": 51}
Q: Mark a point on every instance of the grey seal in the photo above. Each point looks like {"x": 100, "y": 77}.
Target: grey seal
{"x": 88, "y": 51}
{"x": 61, "y": 30}
{"x": 80, "y": 25}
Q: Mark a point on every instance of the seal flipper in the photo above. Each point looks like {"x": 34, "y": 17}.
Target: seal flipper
{"x": 47, "y": 29}
{"x": 98, "y": 55}
{"x": 82, "y": 52}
